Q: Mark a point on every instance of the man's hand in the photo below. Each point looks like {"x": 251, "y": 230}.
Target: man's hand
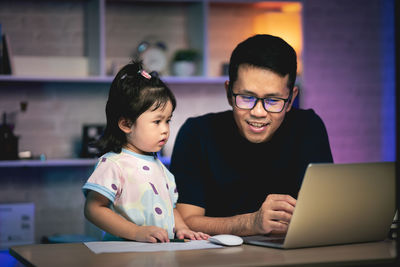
{"x": 275, "y": 214}
{"x": 273, "y": 217}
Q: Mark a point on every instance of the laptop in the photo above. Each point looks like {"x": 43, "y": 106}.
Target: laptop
{"x": 339, "y": 204}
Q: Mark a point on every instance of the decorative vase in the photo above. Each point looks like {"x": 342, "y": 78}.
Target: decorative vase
{"x": 184, "y": 68}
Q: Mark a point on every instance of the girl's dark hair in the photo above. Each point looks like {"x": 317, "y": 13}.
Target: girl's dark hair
{"x": 132, "y": 92}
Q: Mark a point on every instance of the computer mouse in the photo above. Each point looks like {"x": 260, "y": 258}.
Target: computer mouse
{"x": 226, "y": 240}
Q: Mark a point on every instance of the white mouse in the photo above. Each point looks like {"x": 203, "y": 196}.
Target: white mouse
{"x": 226, "y": 240}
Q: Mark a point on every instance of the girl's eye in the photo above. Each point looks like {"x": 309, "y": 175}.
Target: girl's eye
{"x": 157, "y": 122}
{"x": 168, "y": 121}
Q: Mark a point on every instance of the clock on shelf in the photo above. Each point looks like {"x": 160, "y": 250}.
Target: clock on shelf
{"x": 153, "y": 55}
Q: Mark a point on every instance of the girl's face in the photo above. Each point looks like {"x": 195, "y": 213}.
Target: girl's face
{"x": 150, "y": 132}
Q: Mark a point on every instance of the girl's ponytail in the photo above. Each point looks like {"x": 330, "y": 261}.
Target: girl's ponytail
{"x": 132, "y": 92}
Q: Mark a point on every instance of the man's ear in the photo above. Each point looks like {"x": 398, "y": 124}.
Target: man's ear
{"x": 125, "y": 125}
{"x": 294, "y": 95}
{"x": 227, "y": 93}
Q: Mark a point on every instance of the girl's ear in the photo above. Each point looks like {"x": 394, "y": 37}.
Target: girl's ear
{"x": 125, "y": 125}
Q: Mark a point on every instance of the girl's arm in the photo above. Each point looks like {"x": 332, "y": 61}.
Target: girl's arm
{"x": 183, "y": 231}
{"x": 98, "y": 212}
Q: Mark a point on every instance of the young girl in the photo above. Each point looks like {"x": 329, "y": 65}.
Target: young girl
{"x": 130, "y": 194}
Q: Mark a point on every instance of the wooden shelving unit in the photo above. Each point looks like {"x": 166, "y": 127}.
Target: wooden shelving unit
{"x": 112, "y": 29}
{"x": 58, "y": 163}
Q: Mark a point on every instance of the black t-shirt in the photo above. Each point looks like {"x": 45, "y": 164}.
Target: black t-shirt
{"x": 218, "y": 169}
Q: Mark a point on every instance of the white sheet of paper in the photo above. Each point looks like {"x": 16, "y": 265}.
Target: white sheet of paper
{"x": 132, "y": 246}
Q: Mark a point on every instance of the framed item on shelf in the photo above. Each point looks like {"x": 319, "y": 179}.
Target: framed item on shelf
{"x": 153, "y": 54}
{"x": 90, "y": 134}
{"x": 1, "y": 53}
{"x": 7, "y": 57}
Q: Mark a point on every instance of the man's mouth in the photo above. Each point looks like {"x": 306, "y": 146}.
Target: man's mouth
{"x": 257, "y": 126}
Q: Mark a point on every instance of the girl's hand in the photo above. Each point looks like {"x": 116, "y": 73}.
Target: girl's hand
{"x": 152, "y": 234}
{"x": 187, "y": 233}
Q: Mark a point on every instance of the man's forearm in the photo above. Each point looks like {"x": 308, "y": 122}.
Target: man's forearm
{"x": 241, "y": 225}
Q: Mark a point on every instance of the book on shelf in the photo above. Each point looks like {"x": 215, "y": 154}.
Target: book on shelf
{"x": 7, "y": 57}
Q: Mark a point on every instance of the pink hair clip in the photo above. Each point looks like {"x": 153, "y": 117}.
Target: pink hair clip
{"x": 145, "y": 74}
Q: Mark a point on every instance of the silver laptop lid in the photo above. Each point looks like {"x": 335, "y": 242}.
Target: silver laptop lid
{"x": 343, "y": 203}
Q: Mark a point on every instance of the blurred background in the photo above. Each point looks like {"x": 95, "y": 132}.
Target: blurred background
{"x": 61, "y": 56}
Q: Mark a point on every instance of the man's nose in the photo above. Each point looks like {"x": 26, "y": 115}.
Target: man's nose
{"x": 258, "y": 109}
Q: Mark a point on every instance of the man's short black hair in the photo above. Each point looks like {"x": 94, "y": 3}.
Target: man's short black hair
{"x": 267, "y": 52}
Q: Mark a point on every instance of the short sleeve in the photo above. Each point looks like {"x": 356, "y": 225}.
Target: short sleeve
{"x": 187, "y": 164}
{"x": 313, "y": 142}
{"x": 317, "y": 141}
{"x": 106, "y": 179}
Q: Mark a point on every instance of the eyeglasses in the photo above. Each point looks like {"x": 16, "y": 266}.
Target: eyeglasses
{"x": 270, "y": 104}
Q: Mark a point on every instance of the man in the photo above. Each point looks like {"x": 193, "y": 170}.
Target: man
{"x": 239, "y": 171}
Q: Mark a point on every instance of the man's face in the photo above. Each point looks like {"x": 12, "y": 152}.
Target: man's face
{"x": 258, "y": 125}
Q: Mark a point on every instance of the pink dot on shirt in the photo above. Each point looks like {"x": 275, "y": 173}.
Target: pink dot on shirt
{"x": 146, "y": 168}
{"x": 114, "y": 187}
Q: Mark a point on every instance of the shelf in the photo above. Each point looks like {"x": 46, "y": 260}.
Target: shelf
{"x": 48, "y": 163}
{"x": 40, "y": 79}
{"x": 100, "y": 36}
{"x": 195, "y": 79}
{"x": 59, "y": 163}
{"x": 108, "y": 79}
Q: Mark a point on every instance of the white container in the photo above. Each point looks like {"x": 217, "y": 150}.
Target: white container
{"x": 184, "y": 68}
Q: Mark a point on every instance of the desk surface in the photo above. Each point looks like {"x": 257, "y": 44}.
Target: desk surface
{"x": 77, "y": 254}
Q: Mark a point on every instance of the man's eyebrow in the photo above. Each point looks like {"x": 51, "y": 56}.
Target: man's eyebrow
{"x": 247, "y": 92}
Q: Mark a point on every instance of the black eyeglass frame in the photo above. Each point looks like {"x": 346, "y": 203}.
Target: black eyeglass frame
{"x": 263, "y": 102}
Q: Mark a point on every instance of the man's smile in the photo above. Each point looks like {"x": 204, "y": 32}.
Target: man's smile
{"x": 257, "y": 126}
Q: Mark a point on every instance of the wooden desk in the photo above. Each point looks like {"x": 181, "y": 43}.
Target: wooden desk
{"x": 77, "y": 254}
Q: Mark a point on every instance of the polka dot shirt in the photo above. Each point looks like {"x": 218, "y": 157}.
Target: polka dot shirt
{"x": 140, "y": 188}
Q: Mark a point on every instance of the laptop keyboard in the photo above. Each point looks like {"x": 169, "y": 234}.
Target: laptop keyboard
{"x": 263, "y": 238}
